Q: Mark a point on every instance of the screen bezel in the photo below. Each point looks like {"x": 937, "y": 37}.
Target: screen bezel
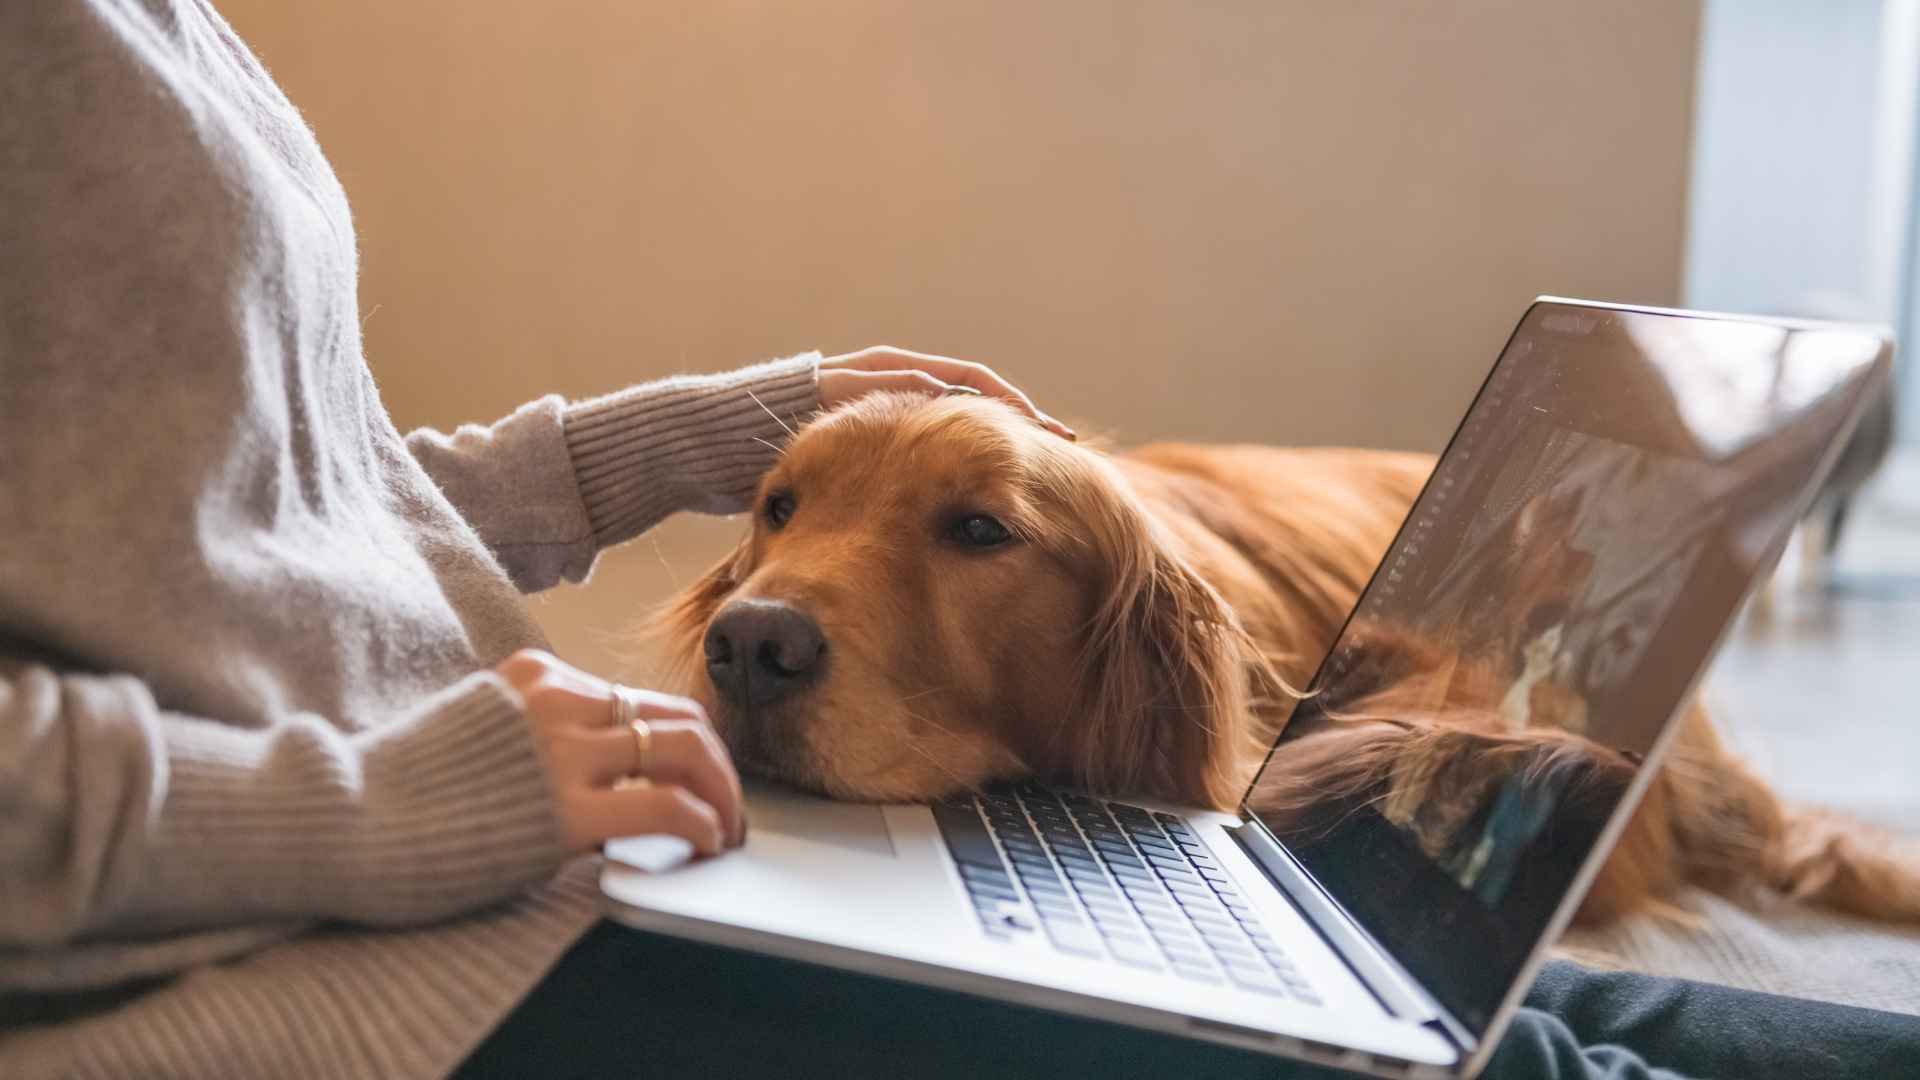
{"x": 1493, "y": 1014}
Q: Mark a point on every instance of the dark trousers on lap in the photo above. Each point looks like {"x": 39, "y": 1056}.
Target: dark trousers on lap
{"x": 626, "y": 1003}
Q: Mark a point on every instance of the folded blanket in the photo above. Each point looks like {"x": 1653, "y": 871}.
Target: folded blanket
{"x": 1781, "y": 948}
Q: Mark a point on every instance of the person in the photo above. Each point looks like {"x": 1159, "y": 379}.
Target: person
{"x": 288, "y": 784}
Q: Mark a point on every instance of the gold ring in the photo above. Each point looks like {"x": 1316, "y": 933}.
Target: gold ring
{"x": 642, "y": 746}
{"x": 620, "y": 704}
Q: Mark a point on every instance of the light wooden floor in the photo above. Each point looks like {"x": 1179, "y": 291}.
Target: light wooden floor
{"x": 1825, "y": 696}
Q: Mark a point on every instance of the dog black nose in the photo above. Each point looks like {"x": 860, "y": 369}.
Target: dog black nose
{"x": 759, "y": 651}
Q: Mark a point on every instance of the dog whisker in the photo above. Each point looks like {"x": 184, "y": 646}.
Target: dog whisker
{"x": 934, "y": 724}
{"x": 936, "y": 763}
{"x": 770, "y": 412}
{"x": 925, "y": 693}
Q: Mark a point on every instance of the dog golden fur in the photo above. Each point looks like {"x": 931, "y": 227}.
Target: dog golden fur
{"x": 937, "y": 594}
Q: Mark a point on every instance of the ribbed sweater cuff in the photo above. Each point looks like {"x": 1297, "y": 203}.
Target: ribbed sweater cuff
{"x": 436, "y": 813}
{"x": 692, "y": 442}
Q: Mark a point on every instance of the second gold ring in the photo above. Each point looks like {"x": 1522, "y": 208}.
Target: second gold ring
{"x": 642, "y": 746}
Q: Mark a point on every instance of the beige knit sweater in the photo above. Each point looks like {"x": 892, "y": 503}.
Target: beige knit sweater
{"x": 263, "y": 810}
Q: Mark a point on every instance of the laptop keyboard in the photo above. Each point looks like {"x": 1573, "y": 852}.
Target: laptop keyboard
{"x": 1105, "y": 879}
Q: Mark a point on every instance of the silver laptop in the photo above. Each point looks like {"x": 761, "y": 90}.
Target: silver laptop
{"x": 1620, "y": 481}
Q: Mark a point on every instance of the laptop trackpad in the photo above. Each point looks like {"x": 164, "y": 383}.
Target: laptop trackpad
{"x": 772, "y": 808}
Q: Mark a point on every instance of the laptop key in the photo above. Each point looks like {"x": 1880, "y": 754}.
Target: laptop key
{"x": 1256, "y": 981}
{"x": 994, "y": 891}
{"x": 1250, "y": 968}
{"x": 1197, "y": 974}
{"x": 1175, "y": 873}
{"x": 1229, "y": 939}
{"x": 1184, "y": 891}
{"x": 1231, "y": 950}
{"x": 1268, "y": 947}
{"x": 1075, "y": 938}
{"x": 1195, "y": 904}
{"x": 1009, "y": 921}
{"x": 1271, "y": 954}
{"x": 966, "y": 835}
{"x": 1149, "y": 897}
{"x": 1183, "y": 943}
{"x": 985, "y": 875}
{"x": 1170, "y": 923}
{"x": 1215, "y": 921}
{"x": 1140, "y": 956}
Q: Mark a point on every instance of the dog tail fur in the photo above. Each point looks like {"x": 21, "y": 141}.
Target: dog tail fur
{"x": 1709, "y": 820}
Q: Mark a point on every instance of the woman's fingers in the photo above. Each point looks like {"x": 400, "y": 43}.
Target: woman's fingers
{"x": 599, "y": 815}
{"x": 557, "y": 693}
{"x": 944, "y": 372}
{"x": 654, "y": 705}
{"x": 846, "y": 385}
{"x": 680, "y": 752}
{"x": 689, "y": 755}
{"x": 585, "y": 752}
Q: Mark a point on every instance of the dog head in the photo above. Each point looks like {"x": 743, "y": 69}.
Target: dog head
{"x": 936, "y": 593}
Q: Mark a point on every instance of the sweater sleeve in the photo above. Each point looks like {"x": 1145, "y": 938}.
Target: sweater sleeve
{"x": 550, "y": 486}
{"x": 120, "y": 819}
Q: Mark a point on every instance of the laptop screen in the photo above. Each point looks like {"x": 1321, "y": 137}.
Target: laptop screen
{"x": 1616, "y": 486}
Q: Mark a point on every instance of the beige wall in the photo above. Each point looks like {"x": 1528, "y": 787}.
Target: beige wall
{"x": 1267, "y": 220}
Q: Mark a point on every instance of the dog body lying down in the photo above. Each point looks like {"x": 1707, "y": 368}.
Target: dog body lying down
{"x": 937, "y": 594}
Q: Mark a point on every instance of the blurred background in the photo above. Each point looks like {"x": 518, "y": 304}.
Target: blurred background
{"x": 1284, "y": 222}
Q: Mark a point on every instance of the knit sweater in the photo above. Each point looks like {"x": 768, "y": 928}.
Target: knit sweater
{"x": 264, "y": 809}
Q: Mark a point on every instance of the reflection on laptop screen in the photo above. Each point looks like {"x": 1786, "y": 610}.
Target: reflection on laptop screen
{"x": 1619, "y": 482}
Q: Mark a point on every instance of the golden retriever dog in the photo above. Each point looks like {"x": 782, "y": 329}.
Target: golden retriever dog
{"x": 937, "y": 595}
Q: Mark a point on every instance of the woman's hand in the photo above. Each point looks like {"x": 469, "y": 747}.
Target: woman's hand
{"x": 693, "y": 791}
{"x": 844, "y": 378}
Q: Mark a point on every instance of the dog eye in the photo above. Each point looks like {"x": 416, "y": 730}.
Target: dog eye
{"x": 979, "y": 531}
{"x": 779, "y": 508}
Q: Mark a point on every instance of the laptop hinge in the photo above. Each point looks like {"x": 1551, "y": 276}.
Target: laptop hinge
{"x": 1397, "y": 990}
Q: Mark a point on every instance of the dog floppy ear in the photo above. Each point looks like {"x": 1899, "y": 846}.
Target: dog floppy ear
{"x": 1162, "y": 687}
{"x": 682, "y": 624}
